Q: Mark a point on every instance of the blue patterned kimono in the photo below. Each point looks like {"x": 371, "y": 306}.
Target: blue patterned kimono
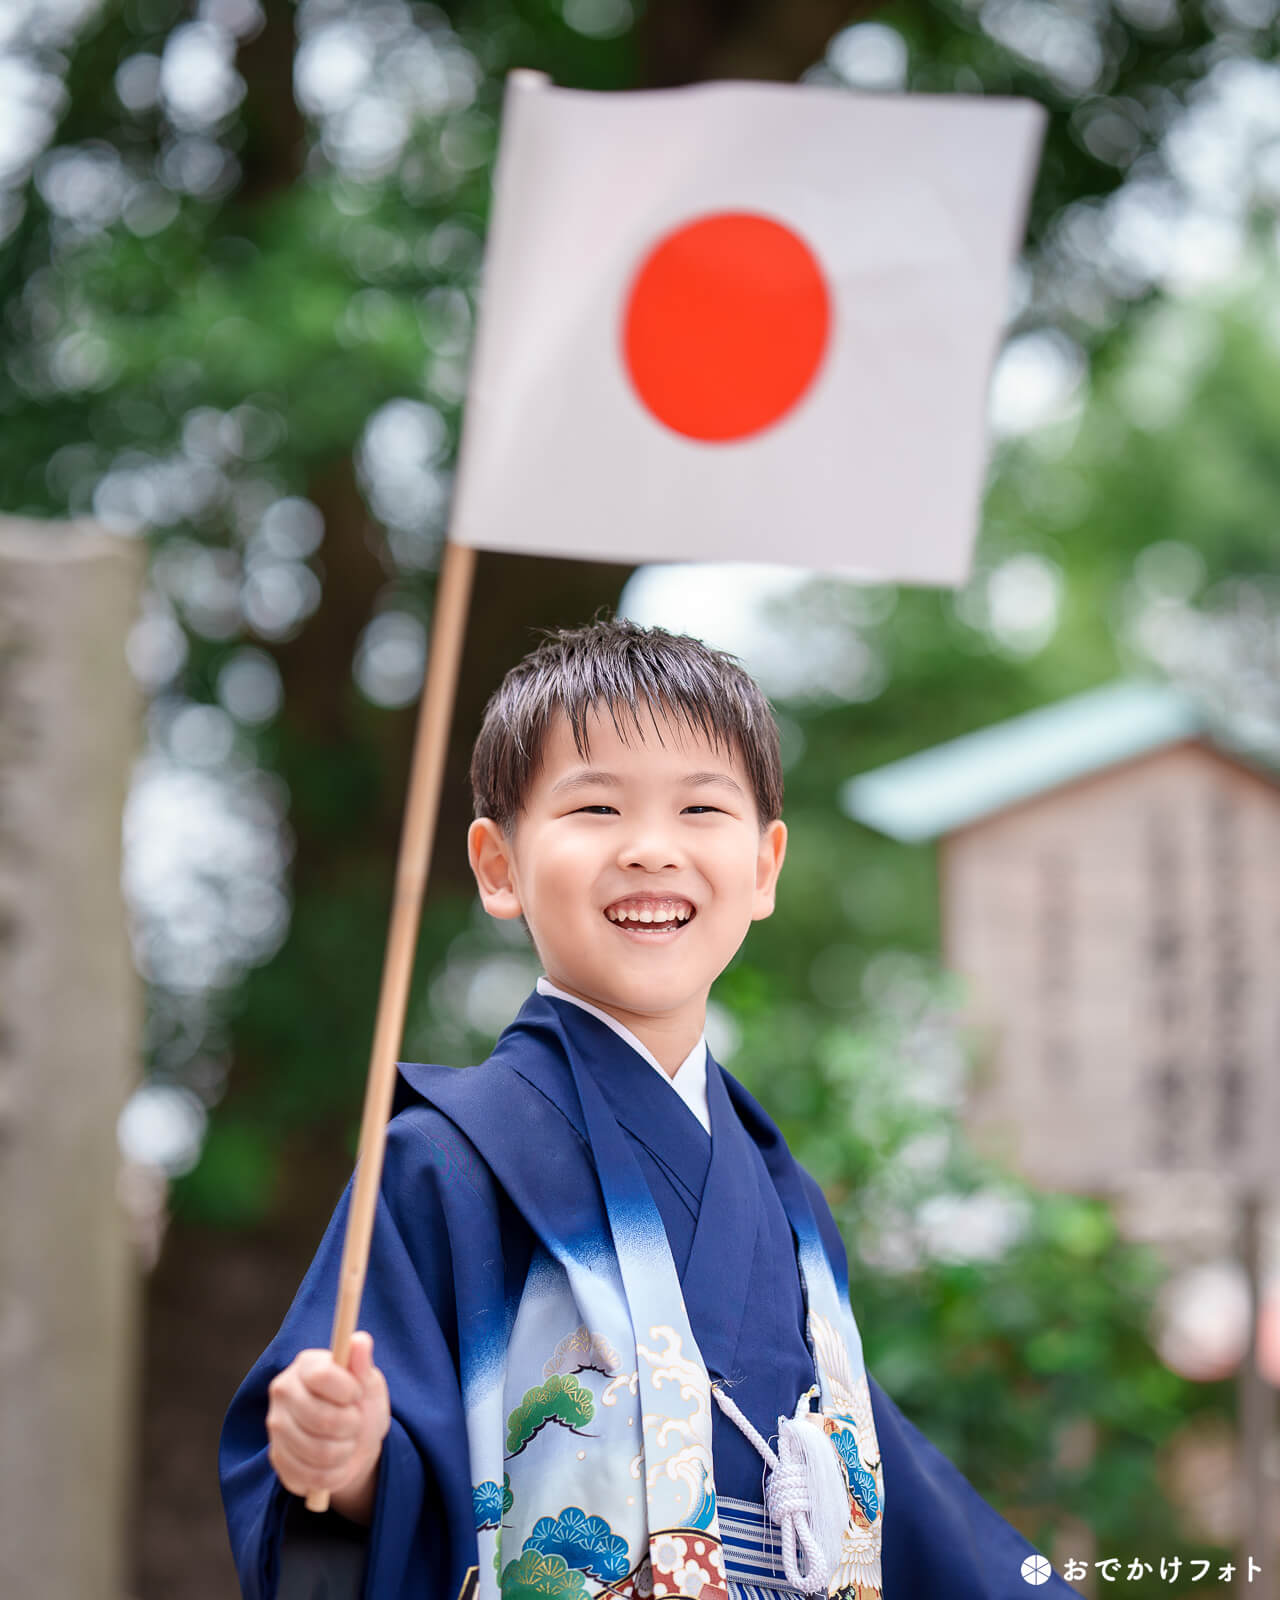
{"x": 563, "y": 1265}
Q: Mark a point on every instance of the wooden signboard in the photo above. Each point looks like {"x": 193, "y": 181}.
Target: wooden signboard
{"x": 1121, "y": 936}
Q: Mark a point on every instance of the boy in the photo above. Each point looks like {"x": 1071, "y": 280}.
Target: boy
{"x": 600, "y": 1285}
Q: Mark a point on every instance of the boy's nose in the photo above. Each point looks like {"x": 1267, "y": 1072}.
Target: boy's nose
{"x": 650, "y": 852}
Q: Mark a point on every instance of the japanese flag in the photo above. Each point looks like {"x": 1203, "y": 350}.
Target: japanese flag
{"x": 743, "y": 322}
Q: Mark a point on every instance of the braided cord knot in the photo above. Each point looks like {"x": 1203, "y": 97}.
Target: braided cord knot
{"x": 805, "y": 1495}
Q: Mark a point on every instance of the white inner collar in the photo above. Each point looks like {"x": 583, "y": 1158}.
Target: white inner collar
{"x": 690, "y": 1080}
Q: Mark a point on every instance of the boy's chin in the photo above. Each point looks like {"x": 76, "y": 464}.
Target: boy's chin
{"x": 651, "y": 997}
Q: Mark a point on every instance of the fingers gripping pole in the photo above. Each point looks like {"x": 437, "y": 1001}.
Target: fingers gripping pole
{"x": 422, "y": 805}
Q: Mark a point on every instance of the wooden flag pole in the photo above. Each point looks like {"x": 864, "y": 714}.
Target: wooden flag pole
{"x": 426, "y": 777}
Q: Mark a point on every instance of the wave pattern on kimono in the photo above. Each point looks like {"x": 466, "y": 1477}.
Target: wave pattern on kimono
{"x": 562, "y": 1264}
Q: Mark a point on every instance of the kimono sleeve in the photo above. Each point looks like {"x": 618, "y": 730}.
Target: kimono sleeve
{"x": 940, "y": 1535}
{"x": 422, "y": 1537}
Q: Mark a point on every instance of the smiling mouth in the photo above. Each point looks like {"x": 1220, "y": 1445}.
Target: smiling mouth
{"x": 651, "y": 920}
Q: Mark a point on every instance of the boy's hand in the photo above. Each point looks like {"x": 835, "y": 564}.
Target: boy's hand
{"x": 326, "y": 1424}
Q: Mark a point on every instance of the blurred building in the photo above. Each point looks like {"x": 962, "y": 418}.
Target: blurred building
{"x": 1110, "y": 881}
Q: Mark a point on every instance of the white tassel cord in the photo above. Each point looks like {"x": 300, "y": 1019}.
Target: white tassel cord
{"x": 806, "y": 1495}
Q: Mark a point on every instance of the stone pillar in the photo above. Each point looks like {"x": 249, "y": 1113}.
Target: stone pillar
{"x": 70, "y": 1019}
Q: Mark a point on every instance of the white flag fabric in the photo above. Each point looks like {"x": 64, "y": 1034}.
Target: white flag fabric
{"x": 746, "y": 322}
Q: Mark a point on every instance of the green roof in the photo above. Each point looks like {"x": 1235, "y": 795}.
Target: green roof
{"x": 955, "y": 783}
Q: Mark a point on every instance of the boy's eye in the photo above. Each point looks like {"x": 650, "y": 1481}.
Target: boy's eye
{"x": 597, "y": 810}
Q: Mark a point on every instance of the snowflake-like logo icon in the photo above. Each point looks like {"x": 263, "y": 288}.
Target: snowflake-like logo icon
{"x": 1036, "y": 1569}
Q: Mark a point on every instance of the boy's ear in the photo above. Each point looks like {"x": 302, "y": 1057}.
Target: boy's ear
{"x": 489, "y": 853}
{"x": 773, "y": 850}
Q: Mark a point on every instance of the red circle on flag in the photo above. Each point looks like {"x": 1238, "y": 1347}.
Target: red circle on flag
{"x": 726, "y": 325}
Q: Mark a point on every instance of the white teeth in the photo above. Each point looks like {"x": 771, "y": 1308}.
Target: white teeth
{"x": 659, "y": 915}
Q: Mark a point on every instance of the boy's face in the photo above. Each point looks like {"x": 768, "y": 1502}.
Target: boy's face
{"x": 666, "y": 828}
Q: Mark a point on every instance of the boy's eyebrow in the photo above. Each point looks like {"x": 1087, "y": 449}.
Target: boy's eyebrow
{"x": 592, "y": 777}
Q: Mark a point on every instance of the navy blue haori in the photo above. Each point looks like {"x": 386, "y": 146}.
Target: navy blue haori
{"x": 564, "y": 1266}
